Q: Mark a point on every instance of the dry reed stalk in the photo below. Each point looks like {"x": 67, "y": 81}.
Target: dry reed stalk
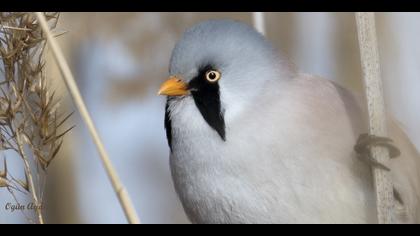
{"x": 376, "y": 108}
{"x": 30, "y": 121}
{"x": 258, "y": 21}
{"x": 119, "y": 188}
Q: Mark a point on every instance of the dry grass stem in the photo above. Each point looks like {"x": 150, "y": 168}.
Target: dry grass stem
{"x": 258, "y": 19}
{"x": 119, "y": 188}
{"x": 30, "y": 120}
{"x": 376, "y": 109}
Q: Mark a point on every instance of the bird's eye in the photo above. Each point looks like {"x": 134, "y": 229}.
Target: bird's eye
{"x": 212, "y": 76}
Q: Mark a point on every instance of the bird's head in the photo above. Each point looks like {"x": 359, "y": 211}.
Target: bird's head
{"x": 223, "y": 66}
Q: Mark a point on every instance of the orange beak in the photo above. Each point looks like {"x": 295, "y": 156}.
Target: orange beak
{"x": 173, "y": 87}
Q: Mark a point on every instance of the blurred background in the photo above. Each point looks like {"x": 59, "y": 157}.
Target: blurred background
{"x": 120, "y": 59}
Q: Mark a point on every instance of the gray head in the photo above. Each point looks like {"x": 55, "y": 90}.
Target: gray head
{"x": 223, "y": 65}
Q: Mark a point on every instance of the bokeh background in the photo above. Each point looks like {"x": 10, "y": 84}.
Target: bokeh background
{"x": 120, "y": 59}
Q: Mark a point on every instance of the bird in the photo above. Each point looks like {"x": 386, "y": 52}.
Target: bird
{"x": 253, "y": 140}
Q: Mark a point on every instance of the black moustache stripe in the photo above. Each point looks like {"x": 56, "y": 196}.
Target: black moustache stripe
{"x": 207, "y": 99}
{"x": 168, "y": 124}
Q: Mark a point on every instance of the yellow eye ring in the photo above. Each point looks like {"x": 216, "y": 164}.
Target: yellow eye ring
{"x": 213, "y": 76}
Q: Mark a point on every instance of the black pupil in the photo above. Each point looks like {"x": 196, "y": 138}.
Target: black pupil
{"x": 212, "y": 75}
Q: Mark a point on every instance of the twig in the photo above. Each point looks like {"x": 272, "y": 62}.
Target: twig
{"x": 259, "y": 21}
{"x": 14, "y": 28}
{"x": 119, "y": 189}
{"x": 30, "y": 180}
{"x": 377, "y": 123}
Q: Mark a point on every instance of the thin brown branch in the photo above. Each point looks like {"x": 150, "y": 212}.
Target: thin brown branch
{"x": 30, "y": 180}
{"x": 27, "y": 106}
{"x": 119, "y": 188}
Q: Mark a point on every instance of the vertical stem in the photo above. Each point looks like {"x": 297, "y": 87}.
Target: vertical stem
{"x": 70, "y": 82}
{"x": 377, "y": 118}
{"x": 30, "y": 180}
{"x": 259, "y": 21}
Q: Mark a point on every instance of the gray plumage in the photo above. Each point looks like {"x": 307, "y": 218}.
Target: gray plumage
{"x": 288, "y": 155}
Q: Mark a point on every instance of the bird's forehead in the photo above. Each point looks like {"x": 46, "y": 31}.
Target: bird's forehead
{"x": 227, "y": 46}
{"x": 190, "y": 74}
{"x": 190, "y": 67}
{"x": 212, "y": 42}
